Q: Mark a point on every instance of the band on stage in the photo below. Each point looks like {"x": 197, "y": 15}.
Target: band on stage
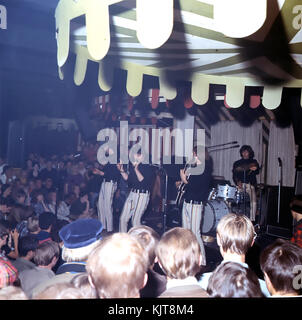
{"x": 200, "y": 200}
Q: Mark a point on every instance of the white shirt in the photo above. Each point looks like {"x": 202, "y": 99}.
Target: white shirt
{"x": 171, "y": 283}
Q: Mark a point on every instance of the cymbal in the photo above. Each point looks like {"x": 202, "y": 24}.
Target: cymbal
{"x": 245, "y": 167}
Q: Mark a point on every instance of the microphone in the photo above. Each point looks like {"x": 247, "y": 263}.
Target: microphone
{"x": 280, "y": 162}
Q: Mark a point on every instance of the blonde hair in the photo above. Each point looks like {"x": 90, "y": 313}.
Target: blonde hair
{"x": 179, "y": 253}
{"x": 60, "y": 291}
{"x": 117, "y": 267}
{"x": 12, "y": 293}
{"x": 81, "y": 282}
{"x": 236, "y": 233}
{"x": 78, "y": 254}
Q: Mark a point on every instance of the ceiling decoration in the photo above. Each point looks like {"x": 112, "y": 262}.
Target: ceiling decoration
{"x": 235, "y": 43}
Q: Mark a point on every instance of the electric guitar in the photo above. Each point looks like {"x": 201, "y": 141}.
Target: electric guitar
{"x": 181, "y": 189}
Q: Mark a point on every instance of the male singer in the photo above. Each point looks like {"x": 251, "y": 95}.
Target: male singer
{"x": 139, "y": 179}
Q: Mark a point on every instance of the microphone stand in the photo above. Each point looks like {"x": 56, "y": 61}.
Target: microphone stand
{"x": 279, "y": 187}
{"x": 165, "y": 200}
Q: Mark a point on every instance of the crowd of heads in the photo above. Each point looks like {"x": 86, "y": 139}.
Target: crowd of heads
{"x": 49, "y": 221}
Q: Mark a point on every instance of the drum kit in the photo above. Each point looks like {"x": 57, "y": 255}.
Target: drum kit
{"x": 222, "y": 200}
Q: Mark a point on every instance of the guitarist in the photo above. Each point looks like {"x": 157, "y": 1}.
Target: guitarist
{"x": 195, "y": 195}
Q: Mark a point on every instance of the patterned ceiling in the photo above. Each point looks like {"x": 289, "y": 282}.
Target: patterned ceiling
{"x": 232, "y": 43}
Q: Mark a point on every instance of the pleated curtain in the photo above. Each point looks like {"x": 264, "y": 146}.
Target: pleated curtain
{"x": 231, "y": 131}
{"x": 282, "y": 145}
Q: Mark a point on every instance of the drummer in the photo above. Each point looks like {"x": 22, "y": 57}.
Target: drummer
{"x": 245, "y": 171}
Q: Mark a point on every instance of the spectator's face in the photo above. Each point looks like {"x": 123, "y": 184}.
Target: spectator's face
{"x": 40, "y": 197}
{"x": 81, "y": 165}
{"x": 61, "y": 165}
{"x": 21, "y": 199}
{"x": 52, "y": 196}
{"x": 38, "y": 184}
{"x": 29, "y": 163}
{"x": 84, "y": 198}
{"x": 3, "y": 240}
{"x": 74, "y": 169}
{"x": 48, "y": 183}
{"x": 9, "y": 172}
{"x": 31, "y": 184}
{"x": 49, "y": 165}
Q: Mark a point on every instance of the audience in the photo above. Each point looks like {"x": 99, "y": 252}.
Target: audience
{"x": 8, "y": 273}
{"x": 149, "y": 239}
{"x": 235, "y": 235}
{"x": 296, "y": 211}
{"x": 78, "y": 238}
{"x": 180, "y": 257}
{"x": 118, "y": 267}
{"x": 8, "y": 241}
{"x": 27, "y": 250}
{"x": 12, "y": 293}
{"x": 80, "y": 208}
{"x": 233, "y": 280}
{"x": 60, "y": 291}
{"x": 46, "y": 257}
{"x": 81, "y": 282}
{"x": 54, "y": 247}
{"x": 46, "y": 221}
{"x": 279, "y": 262}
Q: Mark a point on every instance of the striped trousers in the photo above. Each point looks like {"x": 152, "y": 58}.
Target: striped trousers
{"x": 134, "y": 208}
{"x": 105, "y": 211}
{"x": 191, "y": 219}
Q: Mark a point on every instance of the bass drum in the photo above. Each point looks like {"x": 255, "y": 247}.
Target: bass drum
{"x": 214, "y": 210}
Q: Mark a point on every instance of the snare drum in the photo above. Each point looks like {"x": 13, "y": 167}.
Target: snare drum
{"x": 226, "y": 192}
{"x": 213, "y": 211}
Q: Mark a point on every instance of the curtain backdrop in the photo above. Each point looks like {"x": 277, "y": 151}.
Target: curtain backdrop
{"x": 282, "y": 145}
{"x": 229, "y": 131}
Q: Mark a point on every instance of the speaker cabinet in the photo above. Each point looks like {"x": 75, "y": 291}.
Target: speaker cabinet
{"x": 282, "y": 226}
{"x": 298, "y": 183}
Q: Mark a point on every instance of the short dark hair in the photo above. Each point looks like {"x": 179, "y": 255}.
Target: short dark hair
{"x": 20, "y": 193}
{"x": 26, "y": 244}
{"x": 83, "y": 192}
{"x": 233, "y": 280}
{"x": 278, "y": 260}
{"x": 46, "y": 219}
